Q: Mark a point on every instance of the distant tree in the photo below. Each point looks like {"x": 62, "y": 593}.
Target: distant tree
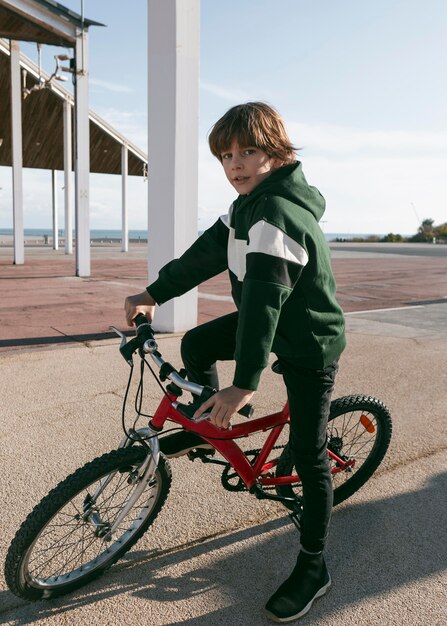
{"x": 425, "y": 231}
{"x": 391, "y": 237}
{"x": 440, "y": 232}
{"x": 426, "y": 228}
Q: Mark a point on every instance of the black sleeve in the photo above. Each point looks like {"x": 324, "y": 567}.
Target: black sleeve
{"x": 207, "y": 257}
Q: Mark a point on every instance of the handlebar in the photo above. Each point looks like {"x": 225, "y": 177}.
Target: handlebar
{"x": 145, "y": 343}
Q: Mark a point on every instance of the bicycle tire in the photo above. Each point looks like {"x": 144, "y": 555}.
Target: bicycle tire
{"x": 56, "y": 550}
{"x": 359, "y": 427}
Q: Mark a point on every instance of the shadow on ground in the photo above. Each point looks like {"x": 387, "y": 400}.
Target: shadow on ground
{"x": 376, "y": 547}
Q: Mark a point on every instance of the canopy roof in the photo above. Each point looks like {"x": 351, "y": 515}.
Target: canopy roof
{"x": 42, "y": 126}
{"x": 42, "y": 21}
{"x": 48, "y": 22}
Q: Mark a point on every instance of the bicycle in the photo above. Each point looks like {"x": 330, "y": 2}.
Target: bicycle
{"x": 94, "y": 516}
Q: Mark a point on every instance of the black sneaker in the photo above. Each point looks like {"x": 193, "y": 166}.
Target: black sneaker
{"x": 294, "y": 598}
{"x": 181, "y": 443}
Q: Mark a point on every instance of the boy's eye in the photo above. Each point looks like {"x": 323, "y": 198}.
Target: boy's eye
{"x": 246, "y": 152}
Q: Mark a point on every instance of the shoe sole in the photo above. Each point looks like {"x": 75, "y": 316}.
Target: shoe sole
{"x": 321, "y": 592}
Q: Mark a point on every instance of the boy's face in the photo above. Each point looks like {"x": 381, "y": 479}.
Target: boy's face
{"x": 246, "y": 167}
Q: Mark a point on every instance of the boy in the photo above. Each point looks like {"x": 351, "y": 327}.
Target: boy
{"x": 284, "y": 290}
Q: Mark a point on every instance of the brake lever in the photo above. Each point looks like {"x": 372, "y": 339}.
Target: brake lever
{"x": 126, "y": 349}
{"x": 120, "y": 334}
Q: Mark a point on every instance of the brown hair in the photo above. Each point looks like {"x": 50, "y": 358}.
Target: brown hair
{"x": 252, "y": 124}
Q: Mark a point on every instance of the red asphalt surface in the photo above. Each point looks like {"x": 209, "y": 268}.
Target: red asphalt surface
{"x": 44, "y": 303}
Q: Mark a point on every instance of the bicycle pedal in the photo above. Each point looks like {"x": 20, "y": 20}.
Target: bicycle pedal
{"x": 200, "y": 453}
{"x": 267, "y": 474}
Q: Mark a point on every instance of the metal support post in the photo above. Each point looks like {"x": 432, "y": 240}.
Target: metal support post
{"x": 82, "y": 157}
{"x": 125, "y": 222}
{"x": 17, "y": 155}
{"x": 55, "y": 210}
{"x": 68, "y": 165}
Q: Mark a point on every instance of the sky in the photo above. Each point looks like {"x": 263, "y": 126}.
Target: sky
{"x": 360, "y": 84}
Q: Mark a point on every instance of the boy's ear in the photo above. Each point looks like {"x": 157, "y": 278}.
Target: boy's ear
{"x": 277, "y": 163}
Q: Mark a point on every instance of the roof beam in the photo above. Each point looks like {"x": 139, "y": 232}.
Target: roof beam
{"x": 102, "y": 130}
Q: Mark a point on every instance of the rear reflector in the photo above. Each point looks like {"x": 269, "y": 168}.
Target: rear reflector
{"x": 367, "y": 424}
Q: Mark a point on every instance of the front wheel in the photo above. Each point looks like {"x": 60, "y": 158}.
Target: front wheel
{"x": 64, "y": 542}
{"x": 359, "y": 431}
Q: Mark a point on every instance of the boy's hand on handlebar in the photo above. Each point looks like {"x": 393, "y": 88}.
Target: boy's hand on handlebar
{"x": 224, "y": 404}
{"x": 140, "y": 303}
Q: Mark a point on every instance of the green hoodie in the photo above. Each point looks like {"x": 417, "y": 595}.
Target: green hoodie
{"x": 280, "y": 271}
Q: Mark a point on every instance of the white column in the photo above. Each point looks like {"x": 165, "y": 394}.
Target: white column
{"x": 17, "y": 157}
{"x": 55, "y": 210}
{"x": 173, "y": 88}
{"x": 124, "y": 218}
{"x": 82, "y": 157}
{"x": 68, "y": 208}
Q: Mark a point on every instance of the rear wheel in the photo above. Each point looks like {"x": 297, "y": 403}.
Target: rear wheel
{"x": 64, "y": 542}
{"x": 359, "y": 430}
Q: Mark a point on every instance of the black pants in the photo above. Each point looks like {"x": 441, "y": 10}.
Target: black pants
{"x": 309, "y": 394}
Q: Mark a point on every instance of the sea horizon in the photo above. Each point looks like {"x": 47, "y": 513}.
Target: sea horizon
{"x": 141, "y": 235}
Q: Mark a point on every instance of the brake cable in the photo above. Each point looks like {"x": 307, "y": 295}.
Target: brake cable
{"x": 132, "y": 433}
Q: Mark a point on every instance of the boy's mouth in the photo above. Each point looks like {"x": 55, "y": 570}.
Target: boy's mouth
{"x": 240, "y": 179}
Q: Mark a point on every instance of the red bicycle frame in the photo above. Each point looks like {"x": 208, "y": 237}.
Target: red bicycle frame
{"x": 223, "y": 441}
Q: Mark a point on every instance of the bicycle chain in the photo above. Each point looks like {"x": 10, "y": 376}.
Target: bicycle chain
{"x": 240, "y": 486}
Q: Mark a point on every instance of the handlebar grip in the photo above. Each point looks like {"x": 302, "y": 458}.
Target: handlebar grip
{"x": 144, "y": 329}
{"x": 140, "y": 319}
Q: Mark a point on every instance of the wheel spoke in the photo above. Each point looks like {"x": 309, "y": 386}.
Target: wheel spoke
{"x": 62, "y": 543}
{"x": 59, "y": 548}
{"x": 55, "y": 546}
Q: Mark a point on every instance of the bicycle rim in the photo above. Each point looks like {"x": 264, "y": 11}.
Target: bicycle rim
{"x": 359, "y": 432}
{"x": 66, "y": 550}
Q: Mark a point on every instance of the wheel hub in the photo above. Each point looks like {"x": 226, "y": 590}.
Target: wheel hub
{"x": 335, "y": 445}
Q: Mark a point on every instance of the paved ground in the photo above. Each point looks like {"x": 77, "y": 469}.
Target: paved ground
{"x": 44, "y": 303}
{"x": 214, "y": 557}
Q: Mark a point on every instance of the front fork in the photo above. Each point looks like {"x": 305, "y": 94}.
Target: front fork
{"x": 141, "y": 477}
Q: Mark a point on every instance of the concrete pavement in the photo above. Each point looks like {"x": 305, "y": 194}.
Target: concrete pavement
{"x": 214, "y": 557}
{"x": 43, "y": 303}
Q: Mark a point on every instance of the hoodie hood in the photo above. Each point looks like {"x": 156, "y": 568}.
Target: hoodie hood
{"x": 288, "y": 182}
